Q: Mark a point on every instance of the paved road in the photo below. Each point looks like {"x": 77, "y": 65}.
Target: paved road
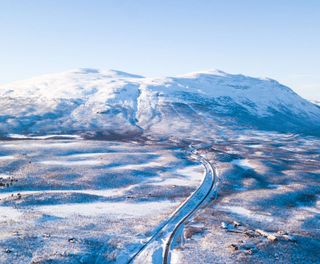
{"x": 158, "y": 248}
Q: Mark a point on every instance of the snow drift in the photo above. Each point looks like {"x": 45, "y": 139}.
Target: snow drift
{"x": 108, "y": 103}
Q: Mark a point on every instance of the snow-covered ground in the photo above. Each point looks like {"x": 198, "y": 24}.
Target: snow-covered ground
{"x": 78, "y": 201}
{"x": 268, "y": 204}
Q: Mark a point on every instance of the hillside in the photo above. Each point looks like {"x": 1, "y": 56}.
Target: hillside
{"x": 109, "y": 103}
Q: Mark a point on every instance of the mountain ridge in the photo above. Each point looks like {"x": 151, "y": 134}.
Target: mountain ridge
{"x": 111, "y": 102}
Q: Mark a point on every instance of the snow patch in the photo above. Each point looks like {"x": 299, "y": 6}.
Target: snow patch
{"x": 9, "y": 214}
{"x": 246, "y": 213}
{"x": 243, "y": 163}
{"x": 123, "y": 209}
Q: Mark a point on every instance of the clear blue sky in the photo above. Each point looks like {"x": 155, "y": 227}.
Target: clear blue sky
{"x": 275, "y": 38}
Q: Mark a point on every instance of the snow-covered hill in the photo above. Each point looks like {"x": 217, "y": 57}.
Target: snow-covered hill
{"x": 111, "y": 103}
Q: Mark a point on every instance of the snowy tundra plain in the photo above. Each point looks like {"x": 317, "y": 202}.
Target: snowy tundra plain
{"x": 71, "y": 201}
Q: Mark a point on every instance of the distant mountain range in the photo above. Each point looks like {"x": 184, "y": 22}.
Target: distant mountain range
{"x": 113, "y": 104}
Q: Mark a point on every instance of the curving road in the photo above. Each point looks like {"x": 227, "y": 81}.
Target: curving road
{"x": 158, "y": 248}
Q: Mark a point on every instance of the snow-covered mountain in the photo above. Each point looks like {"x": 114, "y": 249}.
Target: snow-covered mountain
{"x": 116, "y": 104}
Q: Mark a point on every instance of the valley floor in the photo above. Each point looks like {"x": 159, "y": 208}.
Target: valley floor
{"x": 268, "y": 204}
{"x": 89, "y": 201}
{"x": 78, "y": 201}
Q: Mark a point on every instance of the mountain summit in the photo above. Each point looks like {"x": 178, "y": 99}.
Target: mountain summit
{"x": 112, "y": 103}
